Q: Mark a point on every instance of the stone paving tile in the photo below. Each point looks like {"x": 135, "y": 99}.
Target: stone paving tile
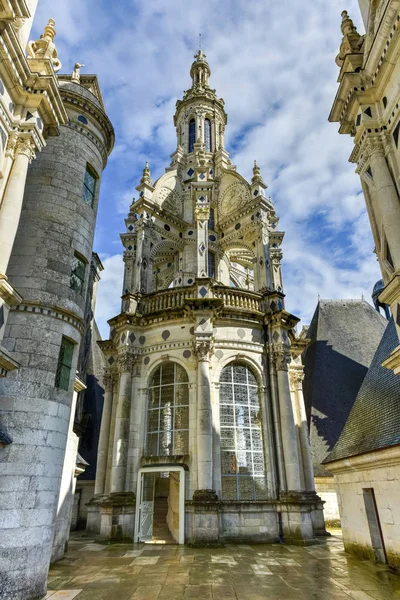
{"x": 92, "y": 571}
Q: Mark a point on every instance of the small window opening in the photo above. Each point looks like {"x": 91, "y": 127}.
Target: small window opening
{"x": 211, "y": 264}
{"x": 384, "y": 102}
{"x": 192, "y": 134}
{"x": 211, "y": 220}
{"x": 64, "y": 365}
{"x": 78, "y": 274}
{"x": 207, "y": 135}
{"x": 89, "y": 186}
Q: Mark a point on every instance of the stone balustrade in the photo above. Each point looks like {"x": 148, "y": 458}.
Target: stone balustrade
{"x": 175, "y": 298}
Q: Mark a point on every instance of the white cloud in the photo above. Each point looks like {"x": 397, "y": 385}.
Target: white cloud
{"x": 273, "y": 63}
{"x": 108, "y": 303}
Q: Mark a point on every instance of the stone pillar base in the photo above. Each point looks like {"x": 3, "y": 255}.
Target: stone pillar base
{"x": 204, "y": 519}
{"x": 93, "y": 517}
{"x": 302, "y": 517}
{"x": 116, "y": 516}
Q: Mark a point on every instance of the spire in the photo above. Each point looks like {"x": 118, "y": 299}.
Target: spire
{"x": 256, "y": 174}
{"x": 352, "y": 41}
{"x": 146, "y": 175}
{"x": 45, "y": 48}
{"x": 257, "y": 182}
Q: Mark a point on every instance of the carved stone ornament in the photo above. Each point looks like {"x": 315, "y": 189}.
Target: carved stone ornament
{"x": 281, "y": 357}
{"x": 234, "y": 197}
{"x": 203, "y": 349}
{"x": 108, "y": 381}
{"x": 76, "y": 73}
{"x": 126, "y": 362}
{"x": 202, "y": 213}
{"x": 296, "y": 378}
{"x": 45, "y": 48}
{"x": 25, "y": 147}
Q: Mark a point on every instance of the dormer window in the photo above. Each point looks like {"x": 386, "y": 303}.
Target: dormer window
{"x": 207, "y": 135}
{"x": 192, "y": 134}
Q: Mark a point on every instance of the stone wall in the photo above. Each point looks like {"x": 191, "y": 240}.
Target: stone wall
{"x": 380, "y": 471}
{"x": 326, "y": 490}
{"x": 55, "y": 223}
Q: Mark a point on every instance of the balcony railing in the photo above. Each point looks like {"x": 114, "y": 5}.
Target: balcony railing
{"x": 232, "y": 298}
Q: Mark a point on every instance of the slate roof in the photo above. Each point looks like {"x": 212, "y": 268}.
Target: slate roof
{"x": 344, "y": 336}
{"x": 374, "y": 422}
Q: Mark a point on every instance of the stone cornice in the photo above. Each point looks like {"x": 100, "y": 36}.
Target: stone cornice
{"x": 51, "y": 311}
{"x": 385, "y": 457}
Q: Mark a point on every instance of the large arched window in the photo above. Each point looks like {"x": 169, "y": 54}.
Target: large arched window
{"x": 168, "y": 411}
{"x": 242, "y": 455}
{"x": 207, "y": 135}
{"x": 192, "y": 134}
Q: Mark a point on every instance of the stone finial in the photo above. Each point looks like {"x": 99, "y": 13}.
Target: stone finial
{"x": 256, "y": 174}
{"x": 352, "y": 41}
{"x": 76, "y": 73}
{"x": 45, "y": 48}
{"x": 146, "y": 175}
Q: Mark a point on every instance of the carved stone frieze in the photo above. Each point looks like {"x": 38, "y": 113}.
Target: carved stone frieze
{"x": 281, "y": 356}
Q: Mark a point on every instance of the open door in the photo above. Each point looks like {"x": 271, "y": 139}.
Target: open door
{"x": 146, "y": 507}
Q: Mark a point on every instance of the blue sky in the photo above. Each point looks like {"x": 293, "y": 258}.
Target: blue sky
{"x": 273, "y": 63}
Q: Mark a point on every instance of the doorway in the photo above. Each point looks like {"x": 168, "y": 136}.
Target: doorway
{"x": 374, "y": 525}
{"x": 160, "y": 506}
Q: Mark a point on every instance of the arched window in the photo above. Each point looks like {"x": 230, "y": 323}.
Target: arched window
{"x": 168, "y": 411}
{"x": 207, "y": 135}
{"x": 242, "y": 455}
{"x": 192, "y": 134}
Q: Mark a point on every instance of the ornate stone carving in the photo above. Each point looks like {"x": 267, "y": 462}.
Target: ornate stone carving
{"x": 126, "y": 362}
{"x": 45, "y": 48}
{"x": 76, "y": 74}
{"x": 169, "y": 200}
{"x": 25, "y": 147}
{"x": 108, "y": 381}
{"x": 281, "y": 356}
{"x": 202, "y": 213}
{"x": 203, "y": 348}
{"x": 235, "y": 196}
{"x": 296, "y": 378}
{"x": 352, "y": 41}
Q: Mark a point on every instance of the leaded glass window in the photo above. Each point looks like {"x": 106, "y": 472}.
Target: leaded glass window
{"x": 64, "y": 364}
{"x": 211, "y": 264}
{"x": 89, "y": 186}
{"x": 192, "y": 134}
{"x": 211, "y": 219}
{"x": 207, "y": 134}
{"x": 77, "y": 274}
{"x": 168, "y": 411}
{"x": 242, "y": 456}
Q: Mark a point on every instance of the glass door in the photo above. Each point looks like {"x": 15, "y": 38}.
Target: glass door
{"x": 146, "y": 510}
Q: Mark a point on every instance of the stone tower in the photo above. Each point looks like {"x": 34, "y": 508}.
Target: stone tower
{"x": 366, "y": 107}
{"x": 199, "y": 408}
{"x": 49, "y": 266}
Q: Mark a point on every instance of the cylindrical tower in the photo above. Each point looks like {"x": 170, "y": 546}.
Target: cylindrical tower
{"x": 50, "y": 267}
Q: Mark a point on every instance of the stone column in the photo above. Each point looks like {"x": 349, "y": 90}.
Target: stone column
{"x": 102, "y": 451}
{"x": 134, "y": 446}
{"x": 12, "y": 200}
{"x": 296, "y": 380}
{"x": 287, "y": 424}
{"x": 120, "y": 453}
{"x": 204, "y": 420}
{"x": 387, "y": 198}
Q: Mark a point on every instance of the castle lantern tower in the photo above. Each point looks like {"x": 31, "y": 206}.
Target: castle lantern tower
{"x": 199, "y": 358}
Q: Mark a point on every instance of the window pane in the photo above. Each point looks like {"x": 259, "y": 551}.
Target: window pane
{"x": 261, "y": 488}
{"x": 63, "y": 371}
{"x": 192, "y": 134}
{"x": 168, "y": 411}
{"x": 211, "y": 264}
{"x": 246, "y": 488}
{"x": 207, "y": 134}
{"x": 229, "y": 488}
{"x": 77, "y": 274}
{"x": 89, "y": 187}
{"x": 242, "y": 457}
